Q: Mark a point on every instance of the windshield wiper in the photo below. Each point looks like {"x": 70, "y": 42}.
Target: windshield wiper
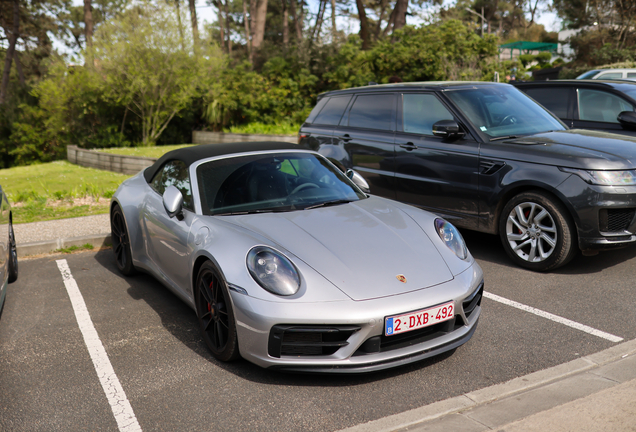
{"x": 504, "y": 137}
{"x": 328, "y": 203}
{"x": 269, "y": 210}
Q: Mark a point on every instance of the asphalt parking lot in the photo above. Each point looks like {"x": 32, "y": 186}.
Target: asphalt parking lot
{"x": 48, "y": 380}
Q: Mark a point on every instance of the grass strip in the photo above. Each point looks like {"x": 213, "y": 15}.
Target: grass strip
{"x": 58, "y": 190}
{"x": 58, "y": 181}
{"x": 39, "y": 212}
{"x": 71, "y": 249}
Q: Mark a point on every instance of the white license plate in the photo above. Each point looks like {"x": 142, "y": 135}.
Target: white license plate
{"x": 418, "y": 319}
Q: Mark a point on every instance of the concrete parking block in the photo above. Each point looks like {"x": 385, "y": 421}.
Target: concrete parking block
{"x": 44, "y": 247}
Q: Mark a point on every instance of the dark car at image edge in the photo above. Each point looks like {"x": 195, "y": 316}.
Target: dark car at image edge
{"x": 607, "y": 106}
{"x": 488, "y": 158}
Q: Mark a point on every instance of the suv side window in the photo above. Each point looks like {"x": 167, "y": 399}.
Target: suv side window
{"x": 595, "y": 105}
{"x": 421, "y": 111}
{"x": 314, "y": 112}
{"x": 556, "y": 100}
{"x": 333, "y": 110}
{"x": 372, "y": 112}
{"x": 174, "y": 173}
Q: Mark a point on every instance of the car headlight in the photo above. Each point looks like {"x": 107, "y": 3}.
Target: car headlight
{"x": 605, "y": 178}
{"x": 273, "y": 271}
{"x": 451, "y": 238}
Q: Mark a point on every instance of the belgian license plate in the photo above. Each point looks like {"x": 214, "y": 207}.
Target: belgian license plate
{"x": 418, "y": 319}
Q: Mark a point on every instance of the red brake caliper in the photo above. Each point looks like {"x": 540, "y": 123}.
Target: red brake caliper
{"x": 526, "y": 213}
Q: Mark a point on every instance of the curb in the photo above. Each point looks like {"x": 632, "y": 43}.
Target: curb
{"x": 472, "y": 400}
{"x": 45, "y": 247}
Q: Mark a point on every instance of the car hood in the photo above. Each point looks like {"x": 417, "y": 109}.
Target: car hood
{"x": 359, "y": 247}
{"x": 574, "y": 148}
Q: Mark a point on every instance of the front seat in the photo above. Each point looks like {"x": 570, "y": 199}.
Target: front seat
{"x": 267, "y": 183}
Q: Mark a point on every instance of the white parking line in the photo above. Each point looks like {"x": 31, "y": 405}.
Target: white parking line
{"x": 122, "y": 410}
{"x": 556, "y": 318}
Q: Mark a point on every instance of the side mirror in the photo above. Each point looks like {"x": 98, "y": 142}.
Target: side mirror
{"x": 447, "y": 129}
{"x": 358, "y": 180}
{"x": 173, "y": 201}
{"x": 627, "y": 119}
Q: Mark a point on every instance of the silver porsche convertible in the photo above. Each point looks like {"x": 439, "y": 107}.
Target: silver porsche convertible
{"x": 289, "y": 264}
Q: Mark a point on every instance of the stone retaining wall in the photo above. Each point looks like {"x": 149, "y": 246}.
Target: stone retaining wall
{"x": 205, "y": 137}
{"x": 107, "y": 161}
{"x": 134, "y": 164}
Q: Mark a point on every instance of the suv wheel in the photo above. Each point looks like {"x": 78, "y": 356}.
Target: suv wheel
{"x": 536, "y": 232}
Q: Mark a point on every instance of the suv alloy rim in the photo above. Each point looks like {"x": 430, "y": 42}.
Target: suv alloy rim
{"x": 531, "y": 232}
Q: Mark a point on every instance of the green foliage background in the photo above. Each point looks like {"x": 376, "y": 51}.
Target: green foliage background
{"x": 285, "y": 89}
{"x": 147, "y": 82}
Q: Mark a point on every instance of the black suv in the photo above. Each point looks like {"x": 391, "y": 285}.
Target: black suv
{"x": 487, "y": 158}
{"x": 588, "y": 104}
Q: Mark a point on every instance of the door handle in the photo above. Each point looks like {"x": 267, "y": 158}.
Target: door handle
{"x": 345, "y": 137}
{"x": 408, "y": 146}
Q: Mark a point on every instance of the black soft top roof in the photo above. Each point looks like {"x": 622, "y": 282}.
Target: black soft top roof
{"x": 189, "y": 155}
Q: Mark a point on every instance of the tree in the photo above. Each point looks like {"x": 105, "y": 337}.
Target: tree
{"x": 75, "y": 25}
{"x": 258, "y": 14}
{"x": 13, "y": 33}
{"x": 88, "y": 23}
{"x": 149, "y": 67}
{"x": 365, "y": 34}
{"x": 607, "y": 26}
{"x": 193, "y": 19}
{"x": 379, "y": 18}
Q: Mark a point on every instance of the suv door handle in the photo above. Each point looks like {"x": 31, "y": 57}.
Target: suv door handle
{"x": 345, "y": 137}
{"x": 408, "y": 146}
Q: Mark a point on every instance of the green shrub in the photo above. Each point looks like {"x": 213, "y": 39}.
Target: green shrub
{"x": 266, "y": 129}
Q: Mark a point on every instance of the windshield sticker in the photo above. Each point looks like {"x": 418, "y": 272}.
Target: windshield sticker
{"x": 483, "y": 128}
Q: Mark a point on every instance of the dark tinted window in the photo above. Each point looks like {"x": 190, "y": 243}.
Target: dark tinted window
{"x": 271, "y": 182}
{"x": 595, "y": 105}
{"x": 499, "y": 110}
{"x": 556, "y": 100}
{"x": 372, "y": 112}
{"x": 421, "y": 111}
{"x": 314, "y": 112}
{"x": 333, "y": 110}
{"x": 174, "y": 173}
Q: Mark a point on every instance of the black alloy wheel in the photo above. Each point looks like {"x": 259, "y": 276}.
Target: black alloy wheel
{"x": 13, "y": 256}
{"x": 215, "y": 314}
{"x": 536, "y": 231}
{"x": 121, "y": 242}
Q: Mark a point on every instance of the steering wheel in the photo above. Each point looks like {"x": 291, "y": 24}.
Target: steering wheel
{"x": 510, "y": 118}
{"x": 304, "y": 186}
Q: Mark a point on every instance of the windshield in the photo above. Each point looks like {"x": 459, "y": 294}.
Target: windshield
{"x": 628, "y": 89}
{"x": 501, "y": 111}
{"x": 268, "y": 183}
{"x": 588, "y": 74}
